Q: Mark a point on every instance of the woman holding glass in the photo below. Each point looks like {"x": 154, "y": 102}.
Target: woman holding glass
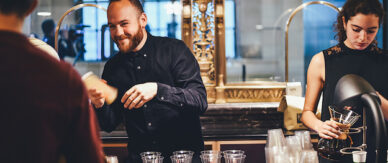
{"x": 356, "y": 53}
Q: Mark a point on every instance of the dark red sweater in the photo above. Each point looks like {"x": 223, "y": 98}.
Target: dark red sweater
{"x": 44, "y": 108}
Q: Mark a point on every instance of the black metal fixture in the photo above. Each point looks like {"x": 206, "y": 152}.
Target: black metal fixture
{"x": 353, "y": 90}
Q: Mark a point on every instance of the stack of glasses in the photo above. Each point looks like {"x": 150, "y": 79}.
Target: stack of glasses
{"x": 151, "y": 157}
{"x": 293, "y": 149}
{"x": 182, "y": 156}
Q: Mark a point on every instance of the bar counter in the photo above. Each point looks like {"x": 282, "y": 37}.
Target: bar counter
{"x": 248, "y": 121}
{"x": 225, "y": 126}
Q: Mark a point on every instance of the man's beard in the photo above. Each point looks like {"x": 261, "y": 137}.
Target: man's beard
{"x": 134, "y": 41}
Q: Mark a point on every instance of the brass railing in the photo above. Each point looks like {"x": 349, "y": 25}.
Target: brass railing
{"x": 74, "y": 8}
{"x": 296, "y": 10}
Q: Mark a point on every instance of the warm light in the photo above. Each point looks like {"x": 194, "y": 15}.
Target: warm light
{"x": 173, "y": 8}
{"x": 186, "y": 11}
{"x": 219, "y": 10}
{"x": 44, "y": 13}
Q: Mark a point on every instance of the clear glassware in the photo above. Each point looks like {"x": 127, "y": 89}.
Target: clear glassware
{"x": 210, "y": 156}
{"x": 235, "y": 158}
{"x": 152, "y": 159}
{"x": 191, "y": 153}
{"x": 331, "y": 148}
{"x": 181, "y": 158}
{"x": 150, "y": 153}
{"x": 275, "y": 138}
{"x": 309, "y": 156}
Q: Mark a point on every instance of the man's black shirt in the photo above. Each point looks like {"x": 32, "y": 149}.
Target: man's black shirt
{"x": 170, "y": 121}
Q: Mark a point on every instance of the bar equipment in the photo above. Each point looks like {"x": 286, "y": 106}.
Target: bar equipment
{"x": 331, "y": 148}
{"x": 353, "y": 90}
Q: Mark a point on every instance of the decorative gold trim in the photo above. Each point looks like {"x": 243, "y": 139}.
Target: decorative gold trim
{"x": 253, "y": 94}
{"x": 67, "y": 13}
{"x": 198, "y": 34}
{"x": 299, "y": 8}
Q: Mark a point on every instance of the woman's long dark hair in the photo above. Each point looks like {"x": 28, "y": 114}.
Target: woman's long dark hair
{"x": 352, "y": 8}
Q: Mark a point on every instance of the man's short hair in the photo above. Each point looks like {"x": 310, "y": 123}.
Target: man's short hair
{"x": 135, "y": 3}
{"x": 48, "y": 26}
{"x": 18, "y": 7}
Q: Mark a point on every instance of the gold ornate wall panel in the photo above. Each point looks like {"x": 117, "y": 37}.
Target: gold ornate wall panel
{"x": 203, "y": 30}
{"x": 198, "y": 33}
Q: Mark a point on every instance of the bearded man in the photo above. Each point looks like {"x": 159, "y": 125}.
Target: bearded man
{"x": 160, "y": 90}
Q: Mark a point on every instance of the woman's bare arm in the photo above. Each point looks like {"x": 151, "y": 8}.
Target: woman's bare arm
{"x": 315, "y": 81}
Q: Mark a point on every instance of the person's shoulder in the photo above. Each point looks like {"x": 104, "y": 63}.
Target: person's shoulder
{"x": 44, "y": 61}
{"x": 167, "y": 41}
{"x": 318, "y": 58}
{"x": 383, "y": 55}
{"x": 332, "y": 50}
{"x": 114, "y": 60}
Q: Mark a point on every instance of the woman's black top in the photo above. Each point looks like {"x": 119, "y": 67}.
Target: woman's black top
{"x": 371, "y": 64}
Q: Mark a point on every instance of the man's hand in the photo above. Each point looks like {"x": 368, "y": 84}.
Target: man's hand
{"x": 139, "y": 94}
{"x": 96, "y": 98}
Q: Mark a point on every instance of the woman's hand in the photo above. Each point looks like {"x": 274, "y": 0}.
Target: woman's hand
{"x": 328, "y": 130}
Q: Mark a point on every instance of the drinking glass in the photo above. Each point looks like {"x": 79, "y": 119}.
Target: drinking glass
{"x": 150, "y": 153}
{"x": 152, "y": 159}
{"x": 235, "y": 158}
{"x": 211, "y": 158}
{"x": 181, "y": 158}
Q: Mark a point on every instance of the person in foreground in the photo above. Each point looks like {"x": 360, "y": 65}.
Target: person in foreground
{"x": 161, "y": 93}
{"x": 357, "y": 53}
{"x": 45, "y": 112}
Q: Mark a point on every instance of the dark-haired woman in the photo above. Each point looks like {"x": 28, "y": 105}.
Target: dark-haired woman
{"x": 357, "y": 53}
